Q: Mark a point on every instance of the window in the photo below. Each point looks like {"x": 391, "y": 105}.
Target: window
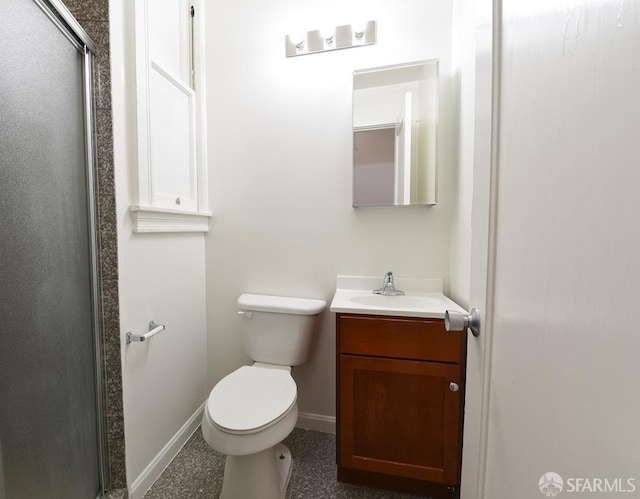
{"x": 172, "y": 173}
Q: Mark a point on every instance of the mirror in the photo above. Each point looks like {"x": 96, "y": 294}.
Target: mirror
{"x": 395, "y": 114}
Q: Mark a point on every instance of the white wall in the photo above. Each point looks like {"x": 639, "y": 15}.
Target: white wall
{"x": 161, "y": 278}
{"x": 280, "y": 158}
{"x": 464, "y": 28}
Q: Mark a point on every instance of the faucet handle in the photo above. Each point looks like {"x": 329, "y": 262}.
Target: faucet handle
{"x": 388, "y": 287}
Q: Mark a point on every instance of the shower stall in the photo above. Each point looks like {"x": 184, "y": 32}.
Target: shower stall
{"x": 51, "y": 436}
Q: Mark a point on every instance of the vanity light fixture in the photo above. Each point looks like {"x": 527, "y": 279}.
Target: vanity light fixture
{"x": 326, "y": 39}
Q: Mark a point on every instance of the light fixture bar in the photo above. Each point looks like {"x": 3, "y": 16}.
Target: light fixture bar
{"x": 343, "y": 37}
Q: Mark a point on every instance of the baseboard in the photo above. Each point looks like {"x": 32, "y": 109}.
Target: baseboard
{"x": 317, "y": 422}
{"x": 143, "y": 483}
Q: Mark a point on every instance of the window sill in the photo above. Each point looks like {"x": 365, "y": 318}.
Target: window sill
{"x": 148, "y": 219}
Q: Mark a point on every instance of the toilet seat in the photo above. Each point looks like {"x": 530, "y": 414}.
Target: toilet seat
{"x": 252, "y": 398}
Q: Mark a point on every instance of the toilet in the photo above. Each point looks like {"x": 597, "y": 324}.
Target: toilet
{"x": 251, "y": 410}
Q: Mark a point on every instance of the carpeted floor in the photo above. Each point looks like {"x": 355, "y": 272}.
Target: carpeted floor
{"x": 197, "y": 471}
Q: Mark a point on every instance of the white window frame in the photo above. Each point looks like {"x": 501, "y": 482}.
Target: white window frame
{"x": 150, "y": 213}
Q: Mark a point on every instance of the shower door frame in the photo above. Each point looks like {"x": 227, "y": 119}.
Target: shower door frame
{"x": 67, "y": 24}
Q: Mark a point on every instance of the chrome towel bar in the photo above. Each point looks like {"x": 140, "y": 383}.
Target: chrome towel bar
{"x": 153, "y": 330}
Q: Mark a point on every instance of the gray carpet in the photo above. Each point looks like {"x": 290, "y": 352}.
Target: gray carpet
{"x": 197, "y": 471}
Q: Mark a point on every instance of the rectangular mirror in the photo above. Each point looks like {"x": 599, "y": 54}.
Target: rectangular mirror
{"x": 395, "y": 115}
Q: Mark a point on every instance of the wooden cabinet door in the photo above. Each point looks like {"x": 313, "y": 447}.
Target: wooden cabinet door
{"x": 400, "y": 417}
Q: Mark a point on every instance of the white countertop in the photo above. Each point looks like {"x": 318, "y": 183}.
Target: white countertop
{"x": 423, "y": 298}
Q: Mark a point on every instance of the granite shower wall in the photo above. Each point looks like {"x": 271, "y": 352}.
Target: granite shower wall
{"x": 93, "y": 15}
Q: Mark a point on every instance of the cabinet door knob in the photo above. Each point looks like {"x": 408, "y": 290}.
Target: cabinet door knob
{"x": 454, "y": 387}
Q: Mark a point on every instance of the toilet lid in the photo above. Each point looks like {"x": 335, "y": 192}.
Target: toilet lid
{"x": 251, "y": 397}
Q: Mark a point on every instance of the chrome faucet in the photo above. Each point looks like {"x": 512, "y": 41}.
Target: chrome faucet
{"x": 388, "y": 289}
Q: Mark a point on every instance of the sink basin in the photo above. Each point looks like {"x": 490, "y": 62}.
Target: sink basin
{"x": 423, "y": 298}
{"x": 395, "y": 302}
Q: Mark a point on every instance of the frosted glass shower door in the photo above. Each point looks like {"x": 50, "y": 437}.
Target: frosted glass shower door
{"x": 49, "y": 430}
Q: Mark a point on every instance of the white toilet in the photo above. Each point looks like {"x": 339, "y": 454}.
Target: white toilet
{"x": 250, "y": 411}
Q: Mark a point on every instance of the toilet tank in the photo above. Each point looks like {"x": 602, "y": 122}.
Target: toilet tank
{"x": 278, "y": 329}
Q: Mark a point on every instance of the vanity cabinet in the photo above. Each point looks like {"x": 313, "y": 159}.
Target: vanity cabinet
{"x": 400, "y": 397}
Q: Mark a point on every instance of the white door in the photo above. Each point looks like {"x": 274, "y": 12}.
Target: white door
{"x": 560, "y": 406}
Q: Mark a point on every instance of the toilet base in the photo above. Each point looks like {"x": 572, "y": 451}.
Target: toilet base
{"x": 264, "y": 475}
{"x": 284, "y": 464}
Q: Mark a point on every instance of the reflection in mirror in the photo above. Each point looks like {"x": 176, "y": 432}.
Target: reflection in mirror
{"x": 395, "y": 113}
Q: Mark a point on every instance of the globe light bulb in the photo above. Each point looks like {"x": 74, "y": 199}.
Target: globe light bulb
{"x": 298, "y": 39}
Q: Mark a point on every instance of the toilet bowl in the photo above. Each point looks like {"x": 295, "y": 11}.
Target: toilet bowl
{"x": 248, "y": 412}
{"x": 251, "y": 410}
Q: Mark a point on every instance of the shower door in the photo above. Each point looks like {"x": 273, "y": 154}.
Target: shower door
{"x": 50, "y": 431}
